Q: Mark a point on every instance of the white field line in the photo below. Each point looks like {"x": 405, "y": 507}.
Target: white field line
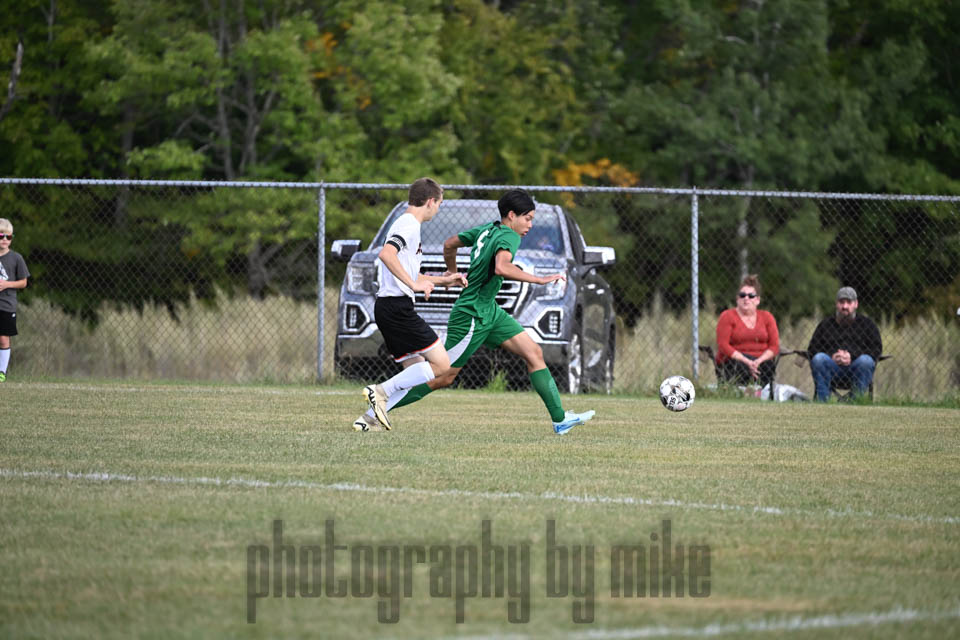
{"x": 897, "y": 615}
{"x": 549, "y": 496}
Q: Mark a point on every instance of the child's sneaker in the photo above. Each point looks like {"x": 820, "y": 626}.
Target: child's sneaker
{"x": 3, "y": 376}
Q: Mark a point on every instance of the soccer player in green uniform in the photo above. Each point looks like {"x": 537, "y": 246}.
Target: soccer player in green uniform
{"x": 476, "y": 319}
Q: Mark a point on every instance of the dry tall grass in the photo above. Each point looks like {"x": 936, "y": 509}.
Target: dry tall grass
{"x": 239, "y": 339}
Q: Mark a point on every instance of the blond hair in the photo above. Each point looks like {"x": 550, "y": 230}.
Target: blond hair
{"x": 6, "y": 226}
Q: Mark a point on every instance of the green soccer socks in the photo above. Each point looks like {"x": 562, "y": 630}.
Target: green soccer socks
{"x": 543, "y": 382}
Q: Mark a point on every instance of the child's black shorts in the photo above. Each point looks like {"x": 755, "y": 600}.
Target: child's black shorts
{"x": 8, "y": 323}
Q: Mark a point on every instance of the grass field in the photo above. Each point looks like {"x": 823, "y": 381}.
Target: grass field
{"x": 148, "y": 510}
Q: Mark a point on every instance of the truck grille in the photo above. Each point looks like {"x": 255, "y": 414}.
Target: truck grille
{"x": 511, "y": 294}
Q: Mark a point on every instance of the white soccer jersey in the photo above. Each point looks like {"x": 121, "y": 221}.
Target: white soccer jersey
{"x": 404, "y": 234}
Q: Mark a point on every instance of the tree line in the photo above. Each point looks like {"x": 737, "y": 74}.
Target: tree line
{"x": 812, "y": 95}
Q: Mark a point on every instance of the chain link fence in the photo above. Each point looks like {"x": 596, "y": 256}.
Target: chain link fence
{"x": 220, "y": 281}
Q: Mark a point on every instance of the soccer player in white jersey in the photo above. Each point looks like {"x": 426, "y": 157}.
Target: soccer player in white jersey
{"x": 409, "y": 339}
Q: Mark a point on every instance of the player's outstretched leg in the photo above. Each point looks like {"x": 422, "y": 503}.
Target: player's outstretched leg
{"x": 412, "y": 395}
{"x": 546, "y": 388}
{"x": 416, "y": 373}
{"x": 399, "y": 399}
{"x": 544, "y": 384}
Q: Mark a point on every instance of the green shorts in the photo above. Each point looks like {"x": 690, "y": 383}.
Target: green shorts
{"x": 465, "y": 334}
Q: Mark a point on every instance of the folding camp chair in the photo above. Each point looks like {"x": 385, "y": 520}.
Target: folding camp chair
{"x": 718, "y": 370}
{"x": 841, "y": 386}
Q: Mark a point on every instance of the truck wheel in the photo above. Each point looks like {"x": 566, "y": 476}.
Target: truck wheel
{"x": 609, "y": 362}
{"x": 569, "y": 377}
{"x": 342, "y": 367}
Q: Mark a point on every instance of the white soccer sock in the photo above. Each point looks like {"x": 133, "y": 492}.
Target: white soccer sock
{"x": 410, "y": 377}
{"x": 397, "y": 387}
{"x": 5, "y": 360}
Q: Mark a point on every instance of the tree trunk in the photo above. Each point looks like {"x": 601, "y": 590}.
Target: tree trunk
{"x": 126, "y": 146}
{"x": 743, "y": 225}
{"x": 14, "y": 76}
{"x": 223, "y": 121}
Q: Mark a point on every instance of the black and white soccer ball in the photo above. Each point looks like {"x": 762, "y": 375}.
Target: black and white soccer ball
{"x": 677, "y": 393}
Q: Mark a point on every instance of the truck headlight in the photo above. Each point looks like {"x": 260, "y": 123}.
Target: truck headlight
{"x": 550, "y": 323}
{"x": 552, "y": 291}
{"x": 354, "y": 318}
{"x": 360, "y": 278}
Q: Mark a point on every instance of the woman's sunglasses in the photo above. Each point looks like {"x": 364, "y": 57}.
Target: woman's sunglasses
{"x": 747, "y": 295}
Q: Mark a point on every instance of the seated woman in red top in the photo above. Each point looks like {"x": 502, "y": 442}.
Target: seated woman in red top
{"x": 747, "y": 339}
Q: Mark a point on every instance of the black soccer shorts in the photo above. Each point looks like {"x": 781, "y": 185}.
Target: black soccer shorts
{"x": 405, "y": 333}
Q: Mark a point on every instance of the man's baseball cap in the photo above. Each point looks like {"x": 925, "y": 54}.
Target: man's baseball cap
{"x": 847, "y": 293}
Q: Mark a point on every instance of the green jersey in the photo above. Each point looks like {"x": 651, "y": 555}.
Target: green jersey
{"x": 479, "y": 298}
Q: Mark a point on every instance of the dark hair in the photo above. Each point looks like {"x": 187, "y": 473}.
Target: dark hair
{"x": 422, "y": 190}
{"x": 516, "y": 200}
{"x": 752, "y": 280}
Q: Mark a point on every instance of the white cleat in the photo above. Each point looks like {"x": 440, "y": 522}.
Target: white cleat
{"x": 365, "y": 423}
{"x": 377, "y": 400}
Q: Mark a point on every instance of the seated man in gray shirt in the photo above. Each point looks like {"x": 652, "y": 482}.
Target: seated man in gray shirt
{"x": 845, "y": 346}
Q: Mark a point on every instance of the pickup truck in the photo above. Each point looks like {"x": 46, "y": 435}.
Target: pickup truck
{"x": 573, "y": 321}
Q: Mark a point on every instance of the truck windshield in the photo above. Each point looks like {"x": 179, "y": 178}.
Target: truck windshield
{"x": 458, "y": 215}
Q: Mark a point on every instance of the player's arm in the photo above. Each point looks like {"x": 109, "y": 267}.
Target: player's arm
{"x": 503, "y": 266}
{"x": 452, "y": 276}
{"x": 447, "y": 280}
{"x": 450, "y": 246}
{"x": 13, "y": 284}
{"x": 388, "y": 256}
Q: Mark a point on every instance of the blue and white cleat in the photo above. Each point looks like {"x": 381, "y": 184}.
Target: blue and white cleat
{"x": 570, "y": 420}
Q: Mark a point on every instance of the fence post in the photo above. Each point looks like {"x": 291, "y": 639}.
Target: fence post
{"x": 695, "y": 281}
{"x": 321, "y": 274}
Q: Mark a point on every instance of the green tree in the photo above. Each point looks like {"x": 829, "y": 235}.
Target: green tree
{"x": 516, "y": 112}
{"x": 68, "y": 237}
{"x": 585, "y": 43}
{"x": 386, "y": 98}
{"x": 741, "y": 96}
{"x": 46, "y": 129}
{"x": 221, "y": 92}
{"x": 902, "y": 55}
{"x": 385, "y": 93}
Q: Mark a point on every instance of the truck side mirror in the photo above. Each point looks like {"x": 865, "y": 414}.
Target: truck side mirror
{"x": 344, "y": 249}
{"x": 599, "y": 257}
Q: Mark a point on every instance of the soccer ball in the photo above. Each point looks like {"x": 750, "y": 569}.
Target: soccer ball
{"x": 677, "y": 393}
